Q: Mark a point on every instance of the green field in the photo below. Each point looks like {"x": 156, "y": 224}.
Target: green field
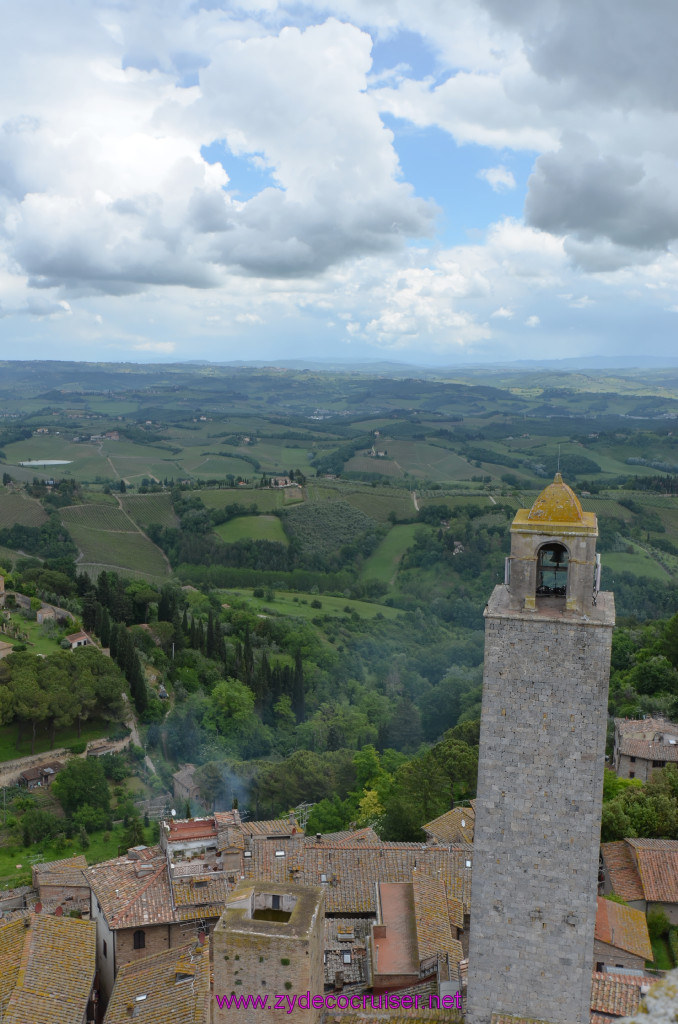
{"x": 252, "y": 528}
{"x": 265, "y": 498}
{"x": 427, "y": 461}
{"x": 97, "y": 517}
{"x": 299, "y": 605}
{"x": 150, "y": 508}
{"x": 126, "y": 552}
{"x": 17, "y": 507}
{"x": 639, "y": 564}
{"x": 383, "y": 564}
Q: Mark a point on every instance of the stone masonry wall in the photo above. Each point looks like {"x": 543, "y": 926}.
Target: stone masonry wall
{"x": 270, "y": 965}
{"x": 537, "y": 829}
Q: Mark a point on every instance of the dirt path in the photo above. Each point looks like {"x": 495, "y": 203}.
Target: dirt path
{"x": 415, "y": 501}
{"x": 131, "y": 724}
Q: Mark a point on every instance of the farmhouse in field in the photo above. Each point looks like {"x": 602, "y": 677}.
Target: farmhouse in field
{"x": 42, "y": 776}
{"x": 80, "y": 639}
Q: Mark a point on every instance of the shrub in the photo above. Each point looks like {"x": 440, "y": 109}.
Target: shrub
{"x": 78, "y": 747}
{"x": 658, "y": 923}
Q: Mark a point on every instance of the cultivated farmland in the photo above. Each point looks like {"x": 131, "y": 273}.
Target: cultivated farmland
{"x": 17, "y": 507}
{"x": 107, "y": 538}
{"x": 252, "y": 528}
{"x": 326, "y": 527}
{"x": 150, "y": 508}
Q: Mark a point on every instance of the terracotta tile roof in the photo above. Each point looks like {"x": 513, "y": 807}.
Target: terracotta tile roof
{"x": 657, "y": 861}
{"x": 68, "y": 872}
{"x": 643, "y": 726}
{"x": 12, "y": 936}
{"x": 274, "y": 826}
{"x": 648, "y": 750}
{"x": 455, "y": 826}
{"x": 354, "y": 973}
{"x": 623, "y": 927}
{"x": 622, "y": 871}
{"x": 351, "y": 872}
{"x": 617, "y": 994}
{"x": 175, "y": 985}
{"x": 133, "y": 893}
{"x": 200, "y": 890}
{"x": 190, "y": 829}
{"x": 364, "y": 836}
{"x": 53, "y": 971}
{"x": 434, "y": 933}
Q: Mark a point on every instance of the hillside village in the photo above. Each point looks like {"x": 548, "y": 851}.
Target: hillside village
{"x": 289, "y": 805}
{"x": 392, "y": 917}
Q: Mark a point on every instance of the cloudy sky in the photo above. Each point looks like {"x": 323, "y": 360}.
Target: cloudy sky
{"x": 427, "y": 181}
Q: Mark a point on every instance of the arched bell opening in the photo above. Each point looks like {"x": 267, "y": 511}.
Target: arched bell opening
{"x": 552, "y": 568}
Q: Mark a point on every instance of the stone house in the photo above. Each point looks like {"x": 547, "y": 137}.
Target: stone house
{"x": 184, "y": 785}
{"x": 621, "y": 937}
{"x": 80, "y": 639}
{"x": 42, "y": 776}
{"x": 5, "y": 648}
{"x": 641, "y": 746}
{"x": 62, "y": 880}
{"x": 644, "y": 872}
{"x": 139, "y": 910}
{"x": 269, "y": 940}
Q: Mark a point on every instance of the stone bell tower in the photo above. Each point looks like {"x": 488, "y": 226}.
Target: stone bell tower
{"x": 548, "y": 639}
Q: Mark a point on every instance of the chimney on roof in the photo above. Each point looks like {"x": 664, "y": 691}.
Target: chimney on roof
{"x": 38, "y": 907}
{"x": 59, "y": 912}
{"x": 318, "y": 837}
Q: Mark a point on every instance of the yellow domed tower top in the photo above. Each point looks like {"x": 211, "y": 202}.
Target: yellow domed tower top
{"x": 557, "y": 503}
{"x": 556, "y": 510}
{"x": 553, "y": 553}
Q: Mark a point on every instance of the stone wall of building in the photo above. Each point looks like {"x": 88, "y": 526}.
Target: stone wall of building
{"x": 537, "y": 830}
{"x": 634, "y": 768}
{"x": 266, "y": 958}
{"x": 611, "y": 956}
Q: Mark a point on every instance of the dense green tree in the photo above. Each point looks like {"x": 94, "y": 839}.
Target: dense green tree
{"x": 82, "y": 781}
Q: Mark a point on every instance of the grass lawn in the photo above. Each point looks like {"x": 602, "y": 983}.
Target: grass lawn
{"x": 252, "y": 528}
{"x": 284, "y": 603}
{"x": 38, "y": 643}
{"x": 9, "y": 751}
{"x": 383, "y": 563}
{"x": 661, "y": 952}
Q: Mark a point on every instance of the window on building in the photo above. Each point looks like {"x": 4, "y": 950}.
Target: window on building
{"x": 347, "y": 958}
{"x": 275, "y": 901}
{"x": 658, "y": 764}
{"x": 600, "y": 965}
{"x": 632, "y": 775}
{"x": 105, "y": 948}
{"x": 632, "y": 760}
{"x": 140, "y": 939}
